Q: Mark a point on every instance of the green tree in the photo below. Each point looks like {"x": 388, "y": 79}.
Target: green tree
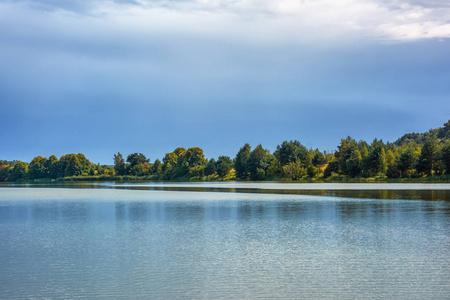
{"x": 288, "y": 152}
{"x": 210, "y": 168}
{"x": 273, "y": 167}
{"x": 194, "y": 157}
{"x": 4, "y": 171}
{"x": 170, "y": 158}
{"x": 333, "y": 167}
{"x": 405, "y": 163}
{"x": 157, "y": 167}
{"x": 260, "y": 174}
{"x": 141, "y": 169}
{"x": 427, "y": 157}
{"x": 19, "y": 171}
{"x": 392, "y": 170}
{"x": 383, "y": 162}
{"x": 169, "y": 161}
{"x": 376, "y": 161}
{"x": 345, "y": 150}
{"x": 241, "y": 161}
{"x": 353, "y": 163}
{"x": 52, "y": 166}
{"x": 183, "y": 163}
{"x": 92, "y": 171}
{"x": 84, "y": 162}
{"x": 224, "y": 165}
{"x": 444, "y": 132}
{"x": 73, "y": 165}
{"x": 167, "y": 171}
{"x": 294, "y": 170}
{"x": 319, "y": 160}
{"x": 438, "y": 165}
{"x": 445, "y": 156}
{"x": 98, "y": 169}
{"x": 38, "y": 168}
{"x": 137, "y": 158}
{"x": 119, "y": 164}
{"x": 365, "y": 165}
{"x": 312, "y": 171}
{"x": 197, "y": 171}
{"x": 187, "y": 159}
{"x": 179, "y": 151}
{"x": 61, "y": 166}
{"x": 258, "y": 160}
{"x": 108, "y": 170}
{"x": 180, "y": 167}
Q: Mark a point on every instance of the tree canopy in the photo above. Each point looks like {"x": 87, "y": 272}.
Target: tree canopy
{"x": 414, "y": 155}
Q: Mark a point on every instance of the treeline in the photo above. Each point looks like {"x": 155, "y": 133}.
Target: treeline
{"x": 51, "y": 168}
{"x": 256, "y": 164}
{"x": 412, "y": 156}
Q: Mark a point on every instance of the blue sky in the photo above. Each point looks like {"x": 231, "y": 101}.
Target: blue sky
{"x": 98, "y": 77}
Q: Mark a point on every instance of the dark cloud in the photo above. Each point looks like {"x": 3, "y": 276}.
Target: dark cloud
{"x": 112, "y": 82}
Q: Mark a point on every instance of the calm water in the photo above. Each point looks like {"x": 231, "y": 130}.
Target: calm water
{"x": 124, "y": 242}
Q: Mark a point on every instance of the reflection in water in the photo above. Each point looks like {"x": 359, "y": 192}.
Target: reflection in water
{"x": 101, "y": 243}
{"x": 161, "y": 210}
{"x": 435, "y": 192}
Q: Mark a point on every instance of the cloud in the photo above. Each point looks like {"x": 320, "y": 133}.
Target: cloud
{"x": 204, "y": 47}
{"x": 164, "y": 68}
{"x": 265, "y": 50}
{"x": 252, "y": 21}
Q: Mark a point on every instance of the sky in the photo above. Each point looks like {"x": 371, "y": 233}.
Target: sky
{"x": 100, "y": 77}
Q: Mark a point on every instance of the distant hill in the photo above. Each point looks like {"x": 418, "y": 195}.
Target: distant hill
{"x": 420, "y": 138}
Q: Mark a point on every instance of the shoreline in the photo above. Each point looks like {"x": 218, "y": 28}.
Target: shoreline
{"x": 432, "y": 179}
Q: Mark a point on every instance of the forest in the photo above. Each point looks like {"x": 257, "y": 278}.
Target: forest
{"x": 413, "y": 156}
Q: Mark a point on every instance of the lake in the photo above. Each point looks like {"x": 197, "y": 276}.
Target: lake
{"x": 225, "y": 240}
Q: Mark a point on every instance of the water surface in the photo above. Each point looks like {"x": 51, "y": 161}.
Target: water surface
{"x": 162, "y": 244}
{"x": 420, "y": 191}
